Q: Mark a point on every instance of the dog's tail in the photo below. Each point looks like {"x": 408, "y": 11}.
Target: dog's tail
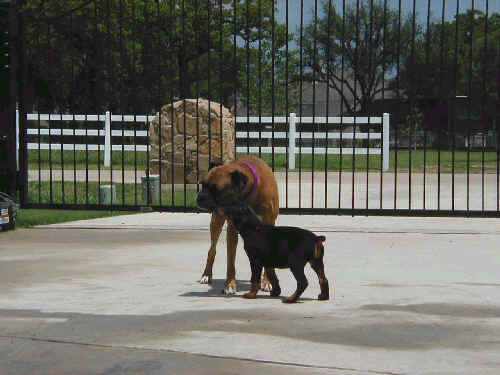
{"x": 319, "y": 249}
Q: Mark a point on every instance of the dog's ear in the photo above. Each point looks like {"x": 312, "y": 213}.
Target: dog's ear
{"x": 238, "y": 179}
{"x": 213, "y": 164}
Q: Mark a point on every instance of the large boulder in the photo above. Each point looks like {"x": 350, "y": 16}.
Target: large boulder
{"x": 190, "y": 139}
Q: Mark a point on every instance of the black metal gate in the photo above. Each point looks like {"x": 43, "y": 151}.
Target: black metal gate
{"x": 7, "y": 106}
{"x": 366, "y": 107}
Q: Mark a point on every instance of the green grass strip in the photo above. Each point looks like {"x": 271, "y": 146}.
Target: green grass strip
{"x": 131, "y": 161}
{"x": 127, "y": 194}
{"x": 31, "y": 217}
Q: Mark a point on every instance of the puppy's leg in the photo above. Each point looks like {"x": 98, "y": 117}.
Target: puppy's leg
{"x": 232, "y": 243}
{"x": 318, "y": 266}
{"x": 266, "y": 283}
{"x": 298, "y": 272}
{"x": 271, "y": 274}
{"x": 216, "y": 224}
{"x": 256, "y": 272}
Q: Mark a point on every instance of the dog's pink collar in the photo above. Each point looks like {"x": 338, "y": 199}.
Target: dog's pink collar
{"x": 255, "y": 179}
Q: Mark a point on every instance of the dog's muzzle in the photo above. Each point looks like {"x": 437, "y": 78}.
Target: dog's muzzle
{"x": 205, "y": 202}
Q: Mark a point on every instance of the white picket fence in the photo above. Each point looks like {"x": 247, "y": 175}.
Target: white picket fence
{"x": 291, "y": 135}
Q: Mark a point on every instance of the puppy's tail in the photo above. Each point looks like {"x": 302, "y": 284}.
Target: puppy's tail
{"x": 319, "y": 249}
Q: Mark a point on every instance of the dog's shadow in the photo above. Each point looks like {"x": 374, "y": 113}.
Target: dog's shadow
{"x": 216, "y": 289}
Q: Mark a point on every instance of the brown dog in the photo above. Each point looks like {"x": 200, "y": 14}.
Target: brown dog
{"x": 248, "y": 180}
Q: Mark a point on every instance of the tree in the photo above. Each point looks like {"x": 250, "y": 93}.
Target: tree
{"x": 88, "y": 56}
{"x": 354, "y": 50}
{"x": 269, "y": 79}
{"x": 136, "y": 55}
{"x": 458, "y": 58}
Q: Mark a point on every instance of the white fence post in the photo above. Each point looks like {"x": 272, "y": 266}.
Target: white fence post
{"x": 385, "y": 141}
{"x": 291, "y": 140}
{"x": 107, "y": 139}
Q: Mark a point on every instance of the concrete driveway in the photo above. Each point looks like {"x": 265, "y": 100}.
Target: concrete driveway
{"x": 120, "y": 296}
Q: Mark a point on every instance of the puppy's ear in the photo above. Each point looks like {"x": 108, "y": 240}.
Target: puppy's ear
{"x": 213, "y": 164}
{"x": 238, "y": 179}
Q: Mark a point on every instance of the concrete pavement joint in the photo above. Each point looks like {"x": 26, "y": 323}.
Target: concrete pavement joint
{"x": 251, "y": 360}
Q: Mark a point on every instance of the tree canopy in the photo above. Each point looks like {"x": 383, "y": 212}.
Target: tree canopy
{"x": 459, "y": 58}
{"x": 354, "y": 50}
{"x": 456, "y": 58}
{"x": 132, "y": 56}
{"x": 135, "y": 55}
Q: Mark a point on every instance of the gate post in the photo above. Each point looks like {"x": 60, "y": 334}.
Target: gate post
{"x": 9, "y": 44}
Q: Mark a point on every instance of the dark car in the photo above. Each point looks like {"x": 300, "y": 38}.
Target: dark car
{"x": 8, "y": 211}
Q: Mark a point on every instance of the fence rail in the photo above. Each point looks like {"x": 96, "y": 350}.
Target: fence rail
{"x": 291, "y": 135}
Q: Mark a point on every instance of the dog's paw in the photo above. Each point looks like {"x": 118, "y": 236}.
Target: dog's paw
{"x": 276, "y": 292}
{"x": 229, "y": 288}
{"x": 250, "y": 295}
{"x": 323, "y": 297}
{"x": 265, "y": 286}
{"x": 229, "y": 291}
{"x": 290, "y": 299}
{"x": 205, "y": 279}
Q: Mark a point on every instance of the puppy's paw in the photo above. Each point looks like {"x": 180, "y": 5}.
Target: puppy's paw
{"x": 205, "y": 279}
{"x": 276, "y": 292}
{"x": 230, "y": 288}
{"x": 323, "y": 297}
{"x": 250, "y": 295}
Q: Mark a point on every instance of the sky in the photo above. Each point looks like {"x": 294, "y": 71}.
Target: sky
{"x": 421, "y": 6}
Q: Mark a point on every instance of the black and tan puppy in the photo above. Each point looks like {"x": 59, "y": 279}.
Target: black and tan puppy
{"x": 246, "y": 180}
{"x": 279, "y": 247}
